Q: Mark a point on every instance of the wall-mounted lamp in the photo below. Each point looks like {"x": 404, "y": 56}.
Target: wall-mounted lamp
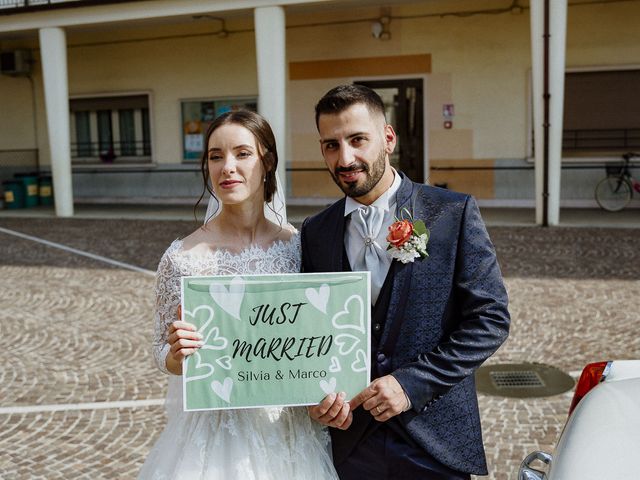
{"x": 376, "y": 29}
{"x": 380, "y": 28}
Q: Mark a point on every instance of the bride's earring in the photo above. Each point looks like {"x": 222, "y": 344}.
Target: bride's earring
{"x": 264, "y": 180}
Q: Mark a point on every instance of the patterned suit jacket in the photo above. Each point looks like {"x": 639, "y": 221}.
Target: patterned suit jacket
{"x": 447, "y": 314}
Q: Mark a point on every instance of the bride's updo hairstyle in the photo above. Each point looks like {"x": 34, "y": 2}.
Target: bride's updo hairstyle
{"x": 265, "y": 141}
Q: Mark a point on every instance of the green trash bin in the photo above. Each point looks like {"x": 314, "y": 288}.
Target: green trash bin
{"x": 13, "y": 194}
{"x": 45, "y": 190}
{"x": 30, "y": 186}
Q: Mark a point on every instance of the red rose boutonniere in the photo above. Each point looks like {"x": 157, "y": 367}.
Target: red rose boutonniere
{"x": 408, "y": 240}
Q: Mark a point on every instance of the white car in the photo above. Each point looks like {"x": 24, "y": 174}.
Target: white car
{"x": 601, "y": 439}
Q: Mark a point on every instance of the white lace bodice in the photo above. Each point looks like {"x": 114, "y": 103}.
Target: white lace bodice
{"x": 280, "y": 257}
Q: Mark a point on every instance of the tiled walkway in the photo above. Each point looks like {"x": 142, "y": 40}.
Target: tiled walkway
{"x": 77, "y": 331}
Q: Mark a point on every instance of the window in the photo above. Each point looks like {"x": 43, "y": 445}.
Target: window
{"x": 198, "y": 114}
{"x": 112, "y": 129}
{"x": 602, "y": 111}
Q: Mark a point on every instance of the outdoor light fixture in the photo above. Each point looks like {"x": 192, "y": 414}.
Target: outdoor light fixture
{"x": 376, "y": 29}
{"x": 380, "y": 28}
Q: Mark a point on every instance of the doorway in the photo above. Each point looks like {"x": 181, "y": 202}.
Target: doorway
{"x": 403, "y": 101}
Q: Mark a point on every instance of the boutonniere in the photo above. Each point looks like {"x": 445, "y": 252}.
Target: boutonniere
{"x": 408, "y": 239}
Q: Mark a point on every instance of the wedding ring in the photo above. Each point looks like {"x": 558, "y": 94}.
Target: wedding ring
{"x": 378, "y": 411}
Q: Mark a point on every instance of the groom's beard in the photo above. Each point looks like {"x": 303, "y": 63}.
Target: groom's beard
{"x": 373, "y": 173}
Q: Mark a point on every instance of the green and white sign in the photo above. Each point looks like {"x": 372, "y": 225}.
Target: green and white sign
{"x": 282, "y": 340}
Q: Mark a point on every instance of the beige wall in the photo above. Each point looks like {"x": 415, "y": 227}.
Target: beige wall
{"x": 480, "y": 64}
{"x": 16, "y": 114}
{"x": 600, "y": 35}
{"x": 170, "y": 70}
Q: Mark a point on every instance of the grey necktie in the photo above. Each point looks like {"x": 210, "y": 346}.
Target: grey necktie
{"x": 368, "y": 221}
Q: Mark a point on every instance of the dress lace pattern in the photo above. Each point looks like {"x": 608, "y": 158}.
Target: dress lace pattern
{"x": 259, "y": 443}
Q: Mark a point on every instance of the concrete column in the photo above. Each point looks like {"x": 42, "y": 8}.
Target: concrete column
{"x": 272, "y": 78}
{"x": 557, "y": 50}
{"x": 536, "y": 11}
{"x": 556, "y": 72}
{"x": 53, "y": 52}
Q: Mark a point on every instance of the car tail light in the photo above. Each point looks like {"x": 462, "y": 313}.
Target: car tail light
{"x": 592, "y": 374}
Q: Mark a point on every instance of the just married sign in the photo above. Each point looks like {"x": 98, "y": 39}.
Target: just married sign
{"x": 287, "y": 339}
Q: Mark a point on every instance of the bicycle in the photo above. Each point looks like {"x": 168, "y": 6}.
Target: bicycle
{"x": 614, "y": 192}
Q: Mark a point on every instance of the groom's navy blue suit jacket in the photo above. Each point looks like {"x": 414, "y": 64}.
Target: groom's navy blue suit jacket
{"x": 446, "y": 314}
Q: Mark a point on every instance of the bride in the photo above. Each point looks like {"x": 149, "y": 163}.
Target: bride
{"x": 239, "y": 169}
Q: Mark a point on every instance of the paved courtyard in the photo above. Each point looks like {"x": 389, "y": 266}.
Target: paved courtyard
{"x": 80, "y": 398}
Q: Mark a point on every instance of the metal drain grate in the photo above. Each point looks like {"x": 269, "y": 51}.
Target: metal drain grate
{"x": 521, "y": 379}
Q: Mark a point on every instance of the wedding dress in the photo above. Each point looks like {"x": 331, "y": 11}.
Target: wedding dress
{"x": 246, "y": 444}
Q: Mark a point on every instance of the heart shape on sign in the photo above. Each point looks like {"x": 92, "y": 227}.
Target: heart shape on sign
{"x": 210, "y": 343}
{"x": 223, "y": 390}
{"x": 335, "y": 365}
{"x": 193, "y": 314}
{"x": 319, "y": 298}
{"x": 229, "y": 299}
{"x": 224, "y": 362}
{"x": 360, "y": 363}
{"x": 199, "y": 364}
{"x": 328, "y": 387}
{"x": 346, "y": 343}
{"x": 345, "y": 318}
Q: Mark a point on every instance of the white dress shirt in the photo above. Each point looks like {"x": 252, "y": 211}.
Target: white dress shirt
{"x": 353, "y": 241}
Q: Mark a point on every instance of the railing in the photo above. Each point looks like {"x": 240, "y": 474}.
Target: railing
{"x": 598, "y": 140}
{"x": 8, "y": 7}
{"x": 30, "y": 3}
{"x": 115, "y": 152}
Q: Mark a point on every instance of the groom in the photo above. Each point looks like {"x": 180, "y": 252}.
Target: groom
{"x": 434, "y": 319}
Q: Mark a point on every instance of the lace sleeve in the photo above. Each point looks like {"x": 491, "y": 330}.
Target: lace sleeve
{"x": 166, "y": 306}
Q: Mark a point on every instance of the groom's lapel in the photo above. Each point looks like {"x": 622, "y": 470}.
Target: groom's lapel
{"x": 401, "y": 275}
{"x": 335, "y": 242}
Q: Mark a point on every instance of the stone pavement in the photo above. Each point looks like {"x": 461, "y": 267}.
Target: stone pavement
{"x": 80, "y": 398}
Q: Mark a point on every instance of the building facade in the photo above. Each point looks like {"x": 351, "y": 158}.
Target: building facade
{"x": 115, "y": 96}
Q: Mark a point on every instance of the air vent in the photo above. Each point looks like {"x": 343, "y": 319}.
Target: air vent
{"x": 522, "y": 380}
{"x": 516, "y": 379}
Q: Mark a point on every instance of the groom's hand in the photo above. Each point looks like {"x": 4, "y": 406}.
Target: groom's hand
{"x": 333, "y": 411}
{"x": 383, "y": 398}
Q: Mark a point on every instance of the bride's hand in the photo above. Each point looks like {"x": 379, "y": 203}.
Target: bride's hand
{"x": 183, "y": 340}
{"x": 333, "y": 411}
